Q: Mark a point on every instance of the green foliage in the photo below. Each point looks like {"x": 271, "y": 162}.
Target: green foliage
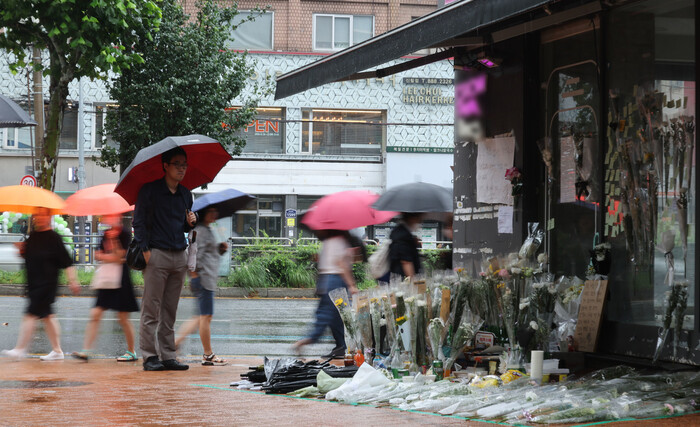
{"x": 434, "y": 259}
{"x": 13, "y": 277}
{"x": 84, "y": 38}
{"x": 185, "y": 85}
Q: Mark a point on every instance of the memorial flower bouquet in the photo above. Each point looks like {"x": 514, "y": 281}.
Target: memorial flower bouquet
{"x": 340, "y": 300}
{"x": 463, "y": 335}
{"x": 516, "y": 181}
{"x": 675, "y": 297}
{"x": 436, "y": 328}
{"x": 375, "y": 311}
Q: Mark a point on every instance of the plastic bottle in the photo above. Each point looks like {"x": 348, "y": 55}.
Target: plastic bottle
{"x": 359, "y": 358}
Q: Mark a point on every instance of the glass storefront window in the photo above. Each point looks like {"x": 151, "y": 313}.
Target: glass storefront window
{"x": 260, "y": 220}
{"x": 343, "y": 132}
{"x": 101, "y": 138}
{"x": 572, "y": 106}
{"x": 649, "y": 164}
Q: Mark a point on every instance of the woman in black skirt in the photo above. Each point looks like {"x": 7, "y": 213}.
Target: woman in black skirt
{"x": 113, "y": 249}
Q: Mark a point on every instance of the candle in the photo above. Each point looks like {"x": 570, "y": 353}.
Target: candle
{"x": 536, "y": 361}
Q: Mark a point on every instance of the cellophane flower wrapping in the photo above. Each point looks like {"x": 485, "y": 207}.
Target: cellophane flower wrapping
{"x": 340, "y": 300}
{"x": 468, "y": 327}
{"x": 375, "y": 311}
{"x": 390, "y": 317}
{"x": 364, "y": 322}
{"x": 436, "y": 329}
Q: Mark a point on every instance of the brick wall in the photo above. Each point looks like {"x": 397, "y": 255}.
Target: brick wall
{"x": 293, "y": 23}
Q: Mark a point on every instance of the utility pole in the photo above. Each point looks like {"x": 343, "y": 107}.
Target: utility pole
{"x": 84, "y": 249}
{"x": 38, "y": 110}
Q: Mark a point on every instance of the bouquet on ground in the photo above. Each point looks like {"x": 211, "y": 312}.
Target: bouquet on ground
{"x": 340, "y": 300}
{"x": 463, "y": 335}
{"x": 436, "y": 329}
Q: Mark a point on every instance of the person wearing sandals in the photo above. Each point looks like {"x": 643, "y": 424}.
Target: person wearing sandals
{"x": 203, "y": 284}
{"x": 122, "y": 300}
{"x": 44, "y": 255}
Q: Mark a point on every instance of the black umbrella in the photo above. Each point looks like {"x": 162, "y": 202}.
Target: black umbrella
{"x": 415, "y": 197}
{"x": 226, "y": 202}
{"x": 12, "y": 115}
{"x": 205, "y": 158}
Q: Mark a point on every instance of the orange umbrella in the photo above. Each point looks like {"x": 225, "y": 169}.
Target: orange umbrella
{"x": 97, "y": 200}
{"x": 26, "y": 199}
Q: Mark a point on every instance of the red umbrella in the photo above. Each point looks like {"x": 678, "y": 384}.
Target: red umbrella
{"x": 344, "y": 211}
{"x": 97, "y": 200}
{"x": 205, "y": 158}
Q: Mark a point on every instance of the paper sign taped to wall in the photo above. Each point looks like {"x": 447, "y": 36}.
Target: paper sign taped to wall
{"x": 494, "y": 157}
{"x": 505, "y": 220}
{"x": 590, "y": 315}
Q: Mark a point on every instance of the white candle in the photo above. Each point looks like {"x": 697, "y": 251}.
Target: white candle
{"x": 536, "y": 361}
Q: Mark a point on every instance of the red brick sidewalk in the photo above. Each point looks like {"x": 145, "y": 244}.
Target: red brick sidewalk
{"x": 120, "y": 394}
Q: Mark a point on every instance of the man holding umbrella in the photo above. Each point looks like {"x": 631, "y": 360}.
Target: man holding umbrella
{"x": 161, "y": 217}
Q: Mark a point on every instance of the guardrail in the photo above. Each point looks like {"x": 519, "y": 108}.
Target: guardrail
{"x": 9, "y": 259}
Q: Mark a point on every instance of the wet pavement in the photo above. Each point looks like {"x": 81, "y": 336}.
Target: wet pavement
{"x": 240, "y": 326}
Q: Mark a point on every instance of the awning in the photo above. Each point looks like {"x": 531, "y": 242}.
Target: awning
{"x": 440, "y": 29}
{"x": 428, "y": 31}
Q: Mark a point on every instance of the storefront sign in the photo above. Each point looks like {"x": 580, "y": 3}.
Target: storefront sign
{"x": 433, "y": 150}
{"x": 426, "y": 95}
{"x": 264, "y": 127}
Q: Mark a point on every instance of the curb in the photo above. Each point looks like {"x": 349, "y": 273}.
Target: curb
{"x": 19, "y": 290}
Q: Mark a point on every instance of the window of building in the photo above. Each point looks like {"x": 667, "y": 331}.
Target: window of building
{"x": 343, "y": 132}
{"x": 100, "y": 138}
{"x": 17, "y": 137}
{"x": 336, "y": 32}
{"x": 252, "y": 35}
{"x": 69, "y": 131}
{"x": 266, "y": 133}
{"x": 305, "y": 202}
{"x": 263, "y": 218}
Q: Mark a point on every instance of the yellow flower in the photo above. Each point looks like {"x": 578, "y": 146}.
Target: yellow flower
{"x": 401, "y": 320}
{"x": 338, "y": 302}
{"x": 501, "y": 285}
{"x": 373, "y": 300}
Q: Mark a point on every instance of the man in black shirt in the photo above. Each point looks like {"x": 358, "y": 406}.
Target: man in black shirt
{"x": 162, "y": 216}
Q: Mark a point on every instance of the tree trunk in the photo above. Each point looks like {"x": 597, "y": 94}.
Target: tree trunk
{"x": 49, "y": 157}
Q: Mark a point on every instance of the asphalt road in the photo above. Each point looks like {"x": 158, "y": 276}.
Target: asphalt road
{"x": 261, "y": 327}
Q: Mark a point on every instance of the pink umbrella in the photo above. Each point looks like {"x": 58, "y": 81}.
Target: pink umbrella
{"x": 97, "y": 200}
{"x": 344, "y": 211}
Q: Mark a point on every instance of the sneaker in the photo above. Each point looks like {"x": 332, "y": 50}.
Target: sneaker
{"x": 53, "y": 356}
{"x": 14, "y": 354}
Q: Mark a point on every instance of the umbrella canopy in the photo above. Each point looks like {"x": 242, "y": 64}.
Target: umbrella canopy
{"x": 416, "y": 197}
{"x": 227, "y": 202}
{"x": 205, "y": 158}
{"x": 344, "y": 211}
{"x": 97, "y": 200}
{"x": 12, "y": 115}
{"x": 26, "y": 199}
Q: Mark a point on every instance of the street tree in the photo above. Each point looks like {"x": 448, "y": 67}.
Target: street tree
{"x": 186, "y": 84}
{"x": 84, "y": 38}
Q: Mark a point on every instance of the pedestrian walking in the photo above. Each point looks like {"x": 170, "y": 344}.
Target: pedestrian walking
{"x": 122, "y": 300}
{"x": 203, "y": 284}
{"x": 44, "y": 255}
{"x": 334, "y": 271}
{"x": 404, "y": 258}
{"x": 162, "y": 216}
{"x": 24, "y": 229}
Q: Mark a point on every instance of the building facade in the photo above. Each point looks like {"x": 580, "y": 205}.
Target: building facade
{"x": 369, "y": 134}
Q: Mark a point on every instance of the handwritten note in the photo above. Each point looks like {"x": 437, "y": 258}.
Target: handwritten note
{"x": 494, "y": 157}
{"x": 505, "y": 220}
{"x": 567, "y": 182}
{"x": 590, "y": 315}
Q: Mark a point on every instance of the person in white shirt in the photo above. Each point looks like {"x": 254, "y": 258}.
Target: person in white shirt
{"x": 334, "y": 271}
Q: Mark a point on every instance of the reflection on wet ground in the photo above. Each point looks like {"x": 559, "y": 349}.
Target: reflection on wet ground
{"x": 240, "y": 327}
{"x": 41, "y": 384}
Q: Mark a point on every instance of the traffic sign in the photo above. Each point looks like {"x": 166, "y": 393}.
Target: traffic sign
{"x": 290, "y": 213}
{"x": 28, "y": 180}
